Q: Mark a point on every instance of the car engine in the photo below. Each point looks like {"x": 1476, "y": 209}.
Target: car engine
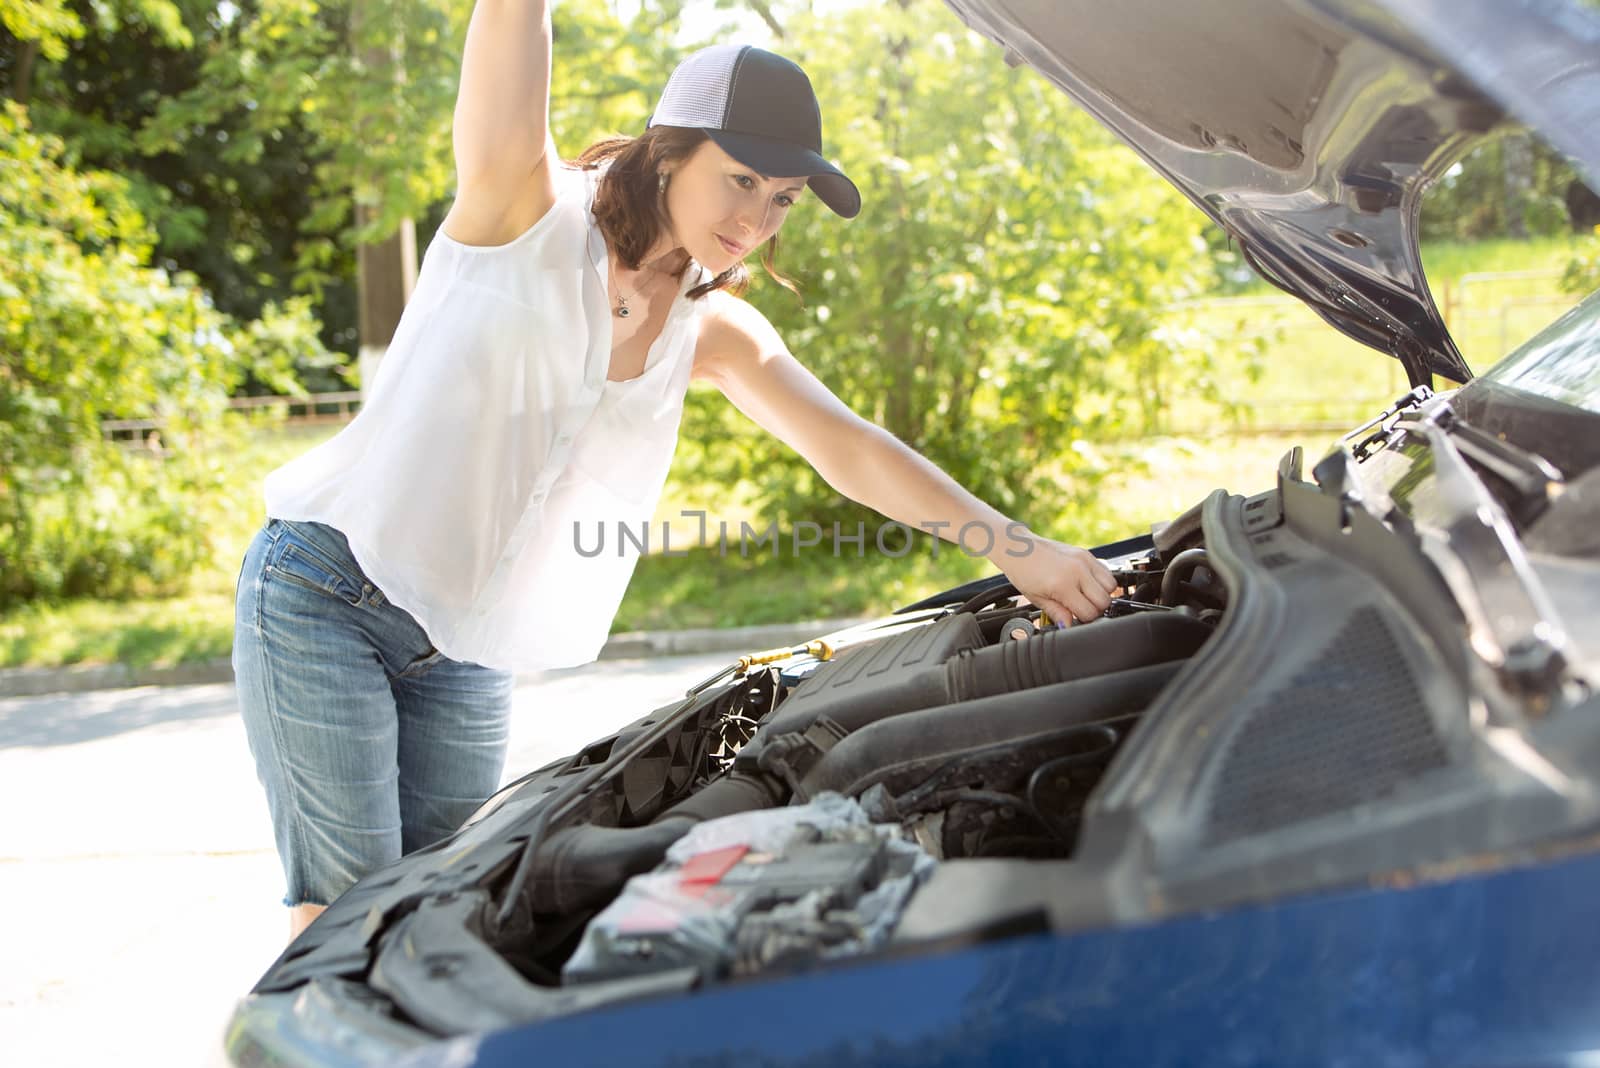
{"x": 972, "y": 730}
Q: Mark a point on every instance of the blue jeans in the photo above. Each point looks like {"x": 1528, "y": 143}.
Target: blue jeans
{"x": 369, "y": 741}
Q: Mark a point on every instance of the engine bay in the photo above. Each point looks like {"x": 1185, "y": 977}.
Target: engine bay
{"x": 975, "y": 735}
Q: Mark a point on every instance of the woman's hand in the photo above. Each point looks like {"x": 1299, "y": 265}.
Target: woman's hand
{"x": 1064, "y": 580}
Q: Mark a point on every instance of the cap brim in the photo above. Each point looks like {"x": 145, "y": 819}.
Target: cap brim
{"x": 785, "y": 159}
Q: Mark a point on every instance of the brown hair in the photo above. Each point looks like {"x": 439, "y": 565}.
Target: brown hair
{"x": 631, "y": 212}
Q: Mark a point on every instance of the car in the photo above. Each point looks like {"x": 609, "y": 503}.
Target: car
{"x": 1322, "y": 786}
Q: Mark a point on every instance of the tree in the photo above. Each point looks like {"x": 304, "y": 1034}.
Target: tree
{"x": 1512, "y": 186}
{"x": 230, "y": 217}
{"x": 1582, "y": 275}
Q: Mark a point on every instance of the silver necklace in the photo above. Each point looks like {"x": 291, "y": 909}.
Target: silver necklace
{"x": 622, "y": 301}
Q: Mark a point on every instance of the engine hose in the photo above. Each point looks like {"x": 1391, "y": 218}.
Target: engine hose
{"x": 1180, "y": 568}
{"x": 1099, "y": 648}
{"x": 878, "y": 752}
{"x": 586, "y": 865}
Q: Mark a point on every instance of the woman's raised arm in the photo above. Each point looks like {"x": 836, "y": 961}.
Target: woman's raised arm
{"x": 501, "y": 132}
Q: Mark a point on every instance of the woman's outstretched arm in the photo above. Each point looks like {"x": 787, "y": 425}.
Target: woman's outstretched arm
{"x": 504, "y": 151}
{"x": 744, "y": 357}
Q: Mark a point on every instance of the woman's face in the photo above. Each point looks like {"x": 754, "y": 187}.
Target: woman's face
{"x": 722, "y": 210}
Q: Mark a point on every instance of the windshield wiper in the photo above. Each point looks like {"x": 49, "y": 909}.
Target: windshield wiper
{"x": 1534, "y": 481}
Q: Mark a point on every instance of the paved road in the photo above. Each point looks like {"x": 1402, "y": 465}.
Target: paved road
{"x": 136, "y": 864}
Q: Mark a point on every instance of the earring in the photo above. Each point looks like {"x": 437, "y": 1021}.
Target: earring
{"x": 661, "y": 182}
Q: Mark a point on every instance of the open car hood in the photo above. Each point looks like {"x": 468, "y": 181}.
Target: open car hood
{"x": 1309, "y": 128}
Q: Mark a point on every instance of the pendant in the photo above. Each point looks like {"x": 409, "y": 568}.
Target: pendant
{"x": 622, "y": 308}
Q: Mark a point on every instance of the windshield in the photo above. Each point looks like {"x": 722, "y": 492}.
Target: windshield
{"x": 1562, "y": 362}
{"x": 1545, "y": 396}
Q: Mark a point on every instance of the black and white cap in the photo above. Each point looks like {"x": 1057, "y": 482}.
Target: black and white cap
{"x": 760, "y": 109}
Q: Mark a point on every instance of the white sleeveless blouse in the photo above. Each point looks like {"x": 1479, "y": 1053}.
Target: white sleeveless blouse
{"x": 491, "y": 440}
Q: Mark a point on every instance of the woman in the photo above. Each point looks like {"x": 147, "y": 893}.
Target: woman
{"x": 416, "y": 560}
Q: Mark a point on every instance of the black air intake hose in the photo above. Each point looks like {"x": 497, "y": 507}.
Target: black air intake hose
{"x": 731, "y": 793}
{"x": 875, "y": 754}
{"x": 586, "y": 865}
{"x": 1099, "y": 648}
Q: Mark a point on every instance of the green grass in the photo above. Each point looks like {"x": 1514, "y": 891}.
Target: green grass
{"x": 153, "y": 633}
{"x": 1310, "y": 375}
{"x": 1454, "y": 259}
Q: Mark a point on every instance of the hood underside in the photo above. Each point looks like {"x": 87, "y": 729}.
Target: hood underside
{"x": 1309, "y": 128}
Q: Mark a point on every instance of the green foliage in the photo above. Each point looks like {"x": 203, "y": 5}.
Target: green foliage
{"x": 998, "y": 298}
{"x": 155, "y": 632}
{"x": 1508, "y": 180}
{"x": 233, "y": 223}
{"x": 1582, "y": 275}
{"x": 279, "y": 347}
{"x": 45, "y": 23}
{"x": 607, "y": 73}
{"x": 88, "y": 331}
{"x": 368, "y": 91}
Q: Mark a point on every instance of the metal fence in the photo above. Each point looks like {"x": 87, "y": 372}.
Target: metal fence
{"x": 308, "y": 409}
